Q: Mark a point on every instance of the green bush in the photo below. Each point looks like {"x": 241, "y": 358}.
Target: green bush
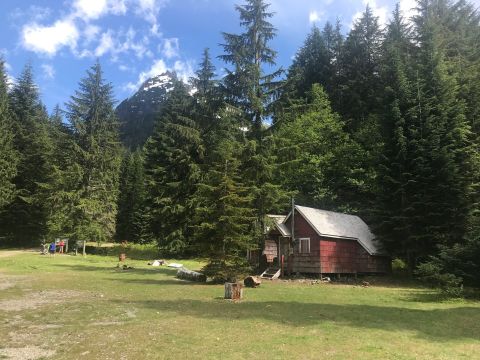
{"x": 229, "y": 269}
{"x": 432, "y": 273}
{"x": 399, "y": 267}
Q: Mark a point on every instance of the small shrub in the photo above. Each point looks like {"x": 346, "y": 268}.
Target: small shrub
{"x": 432, "y": 273}
{"x": 228, "y": 269}
{"x": 399, "y": 267}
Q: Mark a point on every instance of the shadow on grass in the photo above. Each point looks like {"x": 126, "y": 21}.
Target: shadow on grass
{"x": 173, "y": 281}
{"x": 459, "y": 323}
{"x": 115, "y": 269}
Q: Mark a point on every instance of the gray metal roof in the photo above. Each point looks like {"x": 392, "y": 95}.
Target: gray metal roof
{"x": 279, "y": 224}
{"x": 338, "y": 225}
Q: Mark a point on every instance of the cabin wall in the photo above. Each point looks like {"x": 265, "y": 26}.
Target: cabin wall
{"x": 332, "y": 256}
{"x": 338, "y": 256}
{"x": 367, "y": 263}
{"x": 270, "y": 249}
{"x": 305, "y": 263}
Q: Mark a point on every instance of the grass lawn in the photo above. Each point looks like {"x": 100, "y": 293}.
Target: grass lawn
{"x": 84, "y": 308}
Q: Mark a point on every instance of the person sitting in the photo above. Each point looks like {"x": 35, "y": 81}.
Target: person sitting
{"x": 52, "y": 248}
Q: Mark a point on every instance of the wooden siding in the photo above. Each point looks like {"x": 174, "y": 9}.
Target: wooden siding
{"x": 338, "y": 256}
{"x": 270, "y": 250}
{"x": 332, "y": 256}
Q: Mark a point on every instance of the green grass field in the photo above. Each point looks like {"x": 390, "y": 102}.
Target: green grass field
{"x": 84, "y": 308}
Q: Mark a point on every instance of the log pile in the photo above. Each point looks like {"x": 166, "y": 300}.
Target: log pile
{"x": 190, "y": 275}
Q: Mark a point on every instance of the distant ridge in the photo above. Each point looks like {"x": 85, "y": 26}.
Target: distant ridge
{"x": 137, "y": 113}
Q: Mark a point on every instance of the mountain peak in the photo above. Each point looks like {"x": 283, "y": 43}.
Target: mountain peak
{"x": 165, "y": 81}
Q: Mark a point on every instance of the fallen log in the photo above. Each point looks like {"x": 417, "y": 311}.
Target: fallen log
{"x": 190, "y": 275}
{"x": 252, "y": 282}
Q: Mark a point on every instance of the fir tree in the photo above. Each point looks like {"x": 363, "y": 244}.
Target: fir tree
{"x": 224, "y": 215}
{"x": 63, "y": 192}
{"x": 395, "y": 171}
{"x": 252, "y": 92}
{"x": 172, "y": 156}
{"x": 92, "y": 116}
{"x": 320, "y": 161}
{"x": 359, "y": 72}
{"x": 26, "y": 217}
{"x": 131, "y": 201}
{"x": 8, "y": 156}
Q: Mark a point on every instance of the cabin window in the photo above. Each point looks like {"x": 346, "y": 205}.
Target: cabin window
{"x": 304, "y": 245}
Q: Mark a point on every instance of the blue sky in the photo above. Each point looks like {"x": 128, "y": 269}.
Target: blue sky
{"x": 135, "y": 39}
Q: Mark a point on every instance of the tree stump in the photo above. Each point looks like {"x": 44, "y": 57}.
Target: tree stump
{"x": 252, "y": 282}
{"x": 233, "y": 291}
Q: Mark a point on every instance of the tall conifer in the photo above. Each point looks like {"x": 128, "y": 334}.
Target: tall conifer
{"x": 92, "y": 116}
{"x": 8, "y": 156}
{"x": 27, "y": 216}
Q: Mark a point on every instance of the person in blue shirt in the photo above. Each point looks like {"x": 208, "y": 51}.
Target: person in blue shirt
{"x": 52, "y": 248}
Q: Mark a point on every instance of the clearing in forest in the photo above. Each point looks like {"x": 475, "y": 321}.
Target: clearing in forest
{"x": 70, "y": 307}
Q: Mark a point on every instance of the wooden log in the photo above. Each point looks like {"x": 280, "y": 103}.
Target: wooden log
{"x": 190, "y": 275}
{"x": 252, "y": 282}
{"x": 233, "y": 291}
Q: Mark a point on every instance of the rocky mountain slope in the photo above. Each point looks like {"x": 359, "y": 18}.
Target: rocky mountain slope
{"x": 137, "y": 113}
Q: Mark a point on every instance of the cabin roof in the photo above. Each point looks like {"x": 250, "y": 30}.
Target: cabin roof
{"x": 280, "y": 225}
{"x": 342, "y": 226}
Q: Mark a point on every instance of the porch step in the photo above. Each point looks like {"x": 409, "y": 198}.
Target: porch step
{"x": 271, "y": 273}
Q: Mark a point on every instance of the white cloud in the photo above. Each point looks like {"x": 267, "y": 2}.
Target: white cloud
{"x": 90, "y": 9}
{"x": 407, "y": 7}
{"x": 184, "y": 70}
{"x": 170, "y": 48}
{"x": 49, "y": 39}
{"x": 107, "y": 43}
{"x": 148, "y": 10}
{"x": 158, "y": 67}
{"x": 315, "y": 16}
{"x": 90, "y": 33}
{"x": 116, "y": 43}
{"x": 48, "y": 71}
{"x": 378, "y": 11}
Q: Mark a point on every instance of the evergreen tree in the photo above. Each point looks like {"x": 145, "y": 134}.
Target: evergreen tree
{"x": 320, "y": 161}
{"x": 317, "y": 62}
{"x": 252, "y": 92}
{"x": 131, "y": 200}
{"x": 224, "y": 215}
{"x": 172, "y": 157}
{"x": 395, "y": 168}
{"x": 8, "y": 156}
{"x": 26, "y": 217}
{"x": 359, "y": 81}
{"x": 63, "y": 192}
{"x": 92, "y": 116}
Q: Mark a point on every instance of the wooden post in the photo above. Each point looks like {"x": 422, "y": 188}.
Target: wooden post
{"x": 282, "y": 265}
{"x": 234, "y": 291}
{"x": 84, "y": 243}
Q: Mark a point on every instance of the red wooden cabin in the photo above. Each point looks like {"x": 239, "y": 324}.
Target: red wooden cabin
{"x": 325, "y": 242}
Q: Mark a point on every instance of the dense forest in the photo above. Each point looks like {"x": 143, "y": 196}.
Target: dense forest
{"x": 380, "y": 121}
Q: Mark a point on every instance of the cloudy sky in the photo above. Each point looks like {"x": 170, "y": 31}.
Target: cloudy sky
{"x": 135, "y": 39}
